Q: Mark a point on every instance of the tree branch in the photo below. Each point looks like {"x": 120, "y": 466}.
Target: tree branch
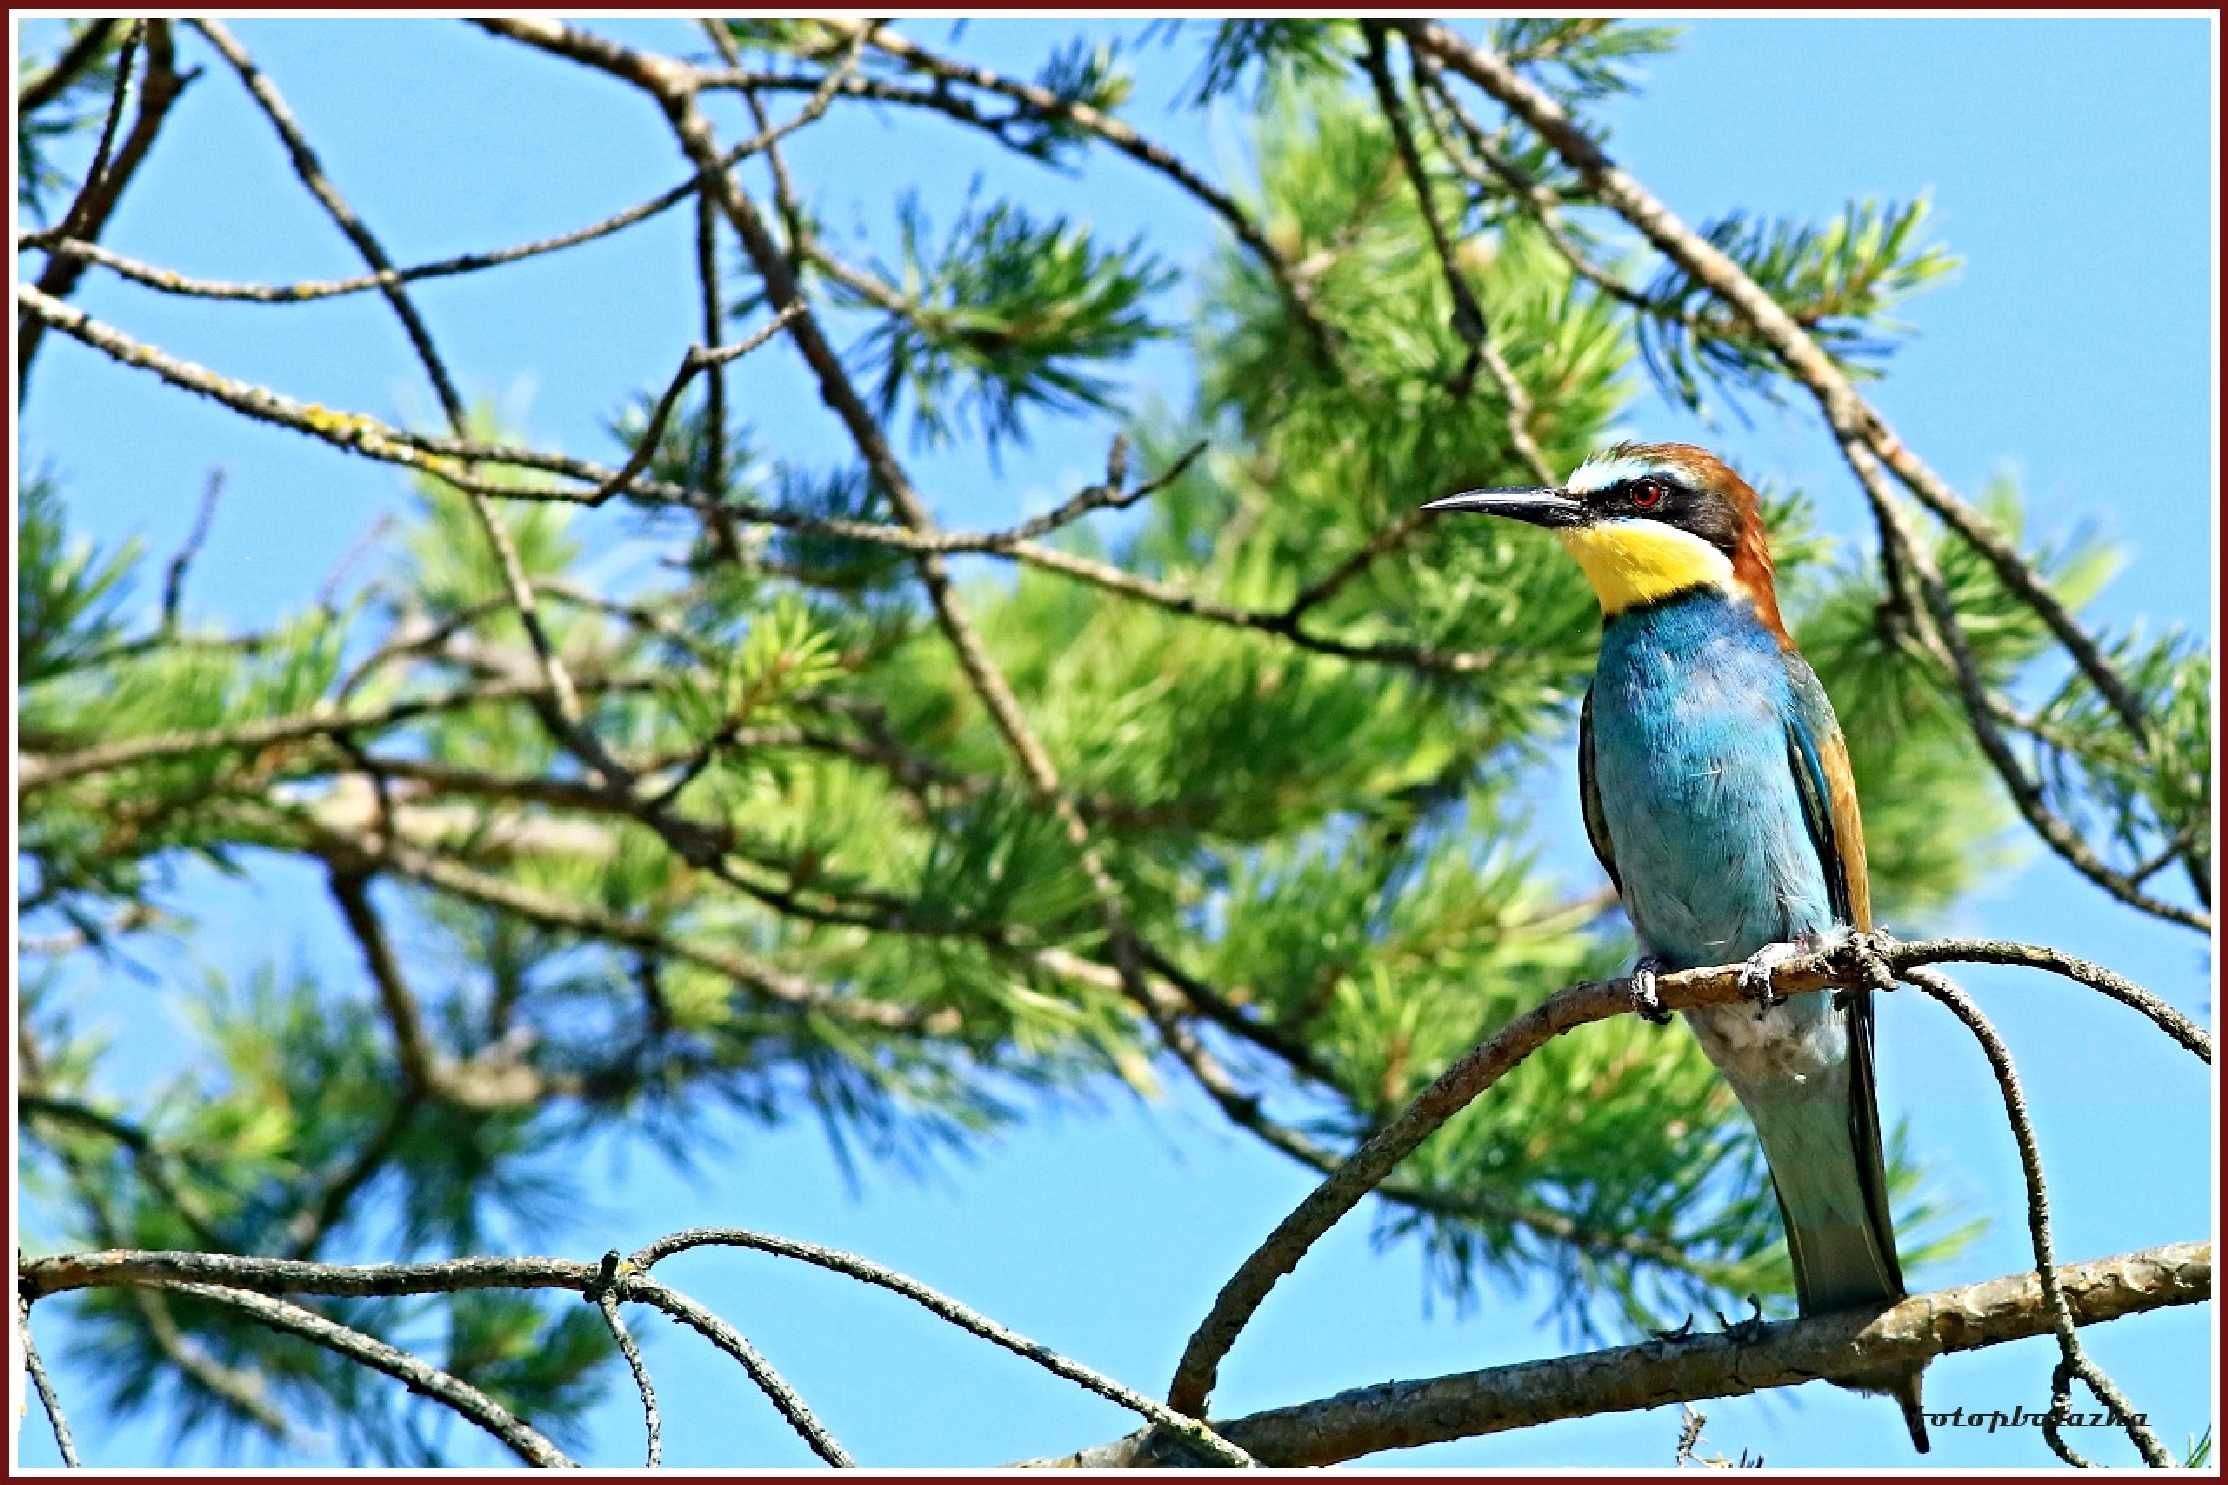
{"x": 47, "y": 1400}
{"x": 1858, "y": 959}
{"x": 652, "y": 1425}
{"x": 83, "y": 50}
{"x": 97, "y": 199}
{"x": 420, "y": 1377}
{"x": 1403, "y": 1415}
{"x": 2074, "y": 1359}
{"x": 949, "y": 1309}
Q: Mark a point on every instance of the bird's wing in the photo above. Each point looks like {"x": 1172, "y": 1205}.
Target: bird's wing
{"x": 1589, "y": 794}
{"x": 1820, "y": 760}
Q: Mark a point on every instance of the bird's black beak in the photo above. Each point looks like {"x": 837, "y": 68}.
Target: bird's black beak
{"x": 1539, "y": 507}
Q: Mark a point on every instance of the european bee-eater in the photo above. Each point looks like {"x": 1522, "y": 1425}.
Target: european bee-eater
{"x": 1716, "y": 790}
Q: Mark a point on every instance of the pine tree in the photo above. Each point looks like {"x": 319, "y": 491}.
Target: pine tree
{"x": 916, "y": 833}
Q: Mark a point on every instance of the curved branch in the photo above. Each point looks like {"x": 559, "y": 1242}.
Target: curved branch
{"x": 725, "y": 1336}
{"x": 945, "y": 1307}
{"x": 2074, "y": 1359}
{"x": 474, "y": 1405}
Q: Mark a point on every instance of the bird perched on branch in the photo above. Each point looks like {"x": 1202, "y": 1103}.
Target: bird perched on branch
{"x": 1716, "y": 791}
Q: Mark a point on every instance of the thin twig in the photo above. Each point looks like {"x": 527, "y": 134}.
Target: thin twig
{"x": 1938, "y": 985}
{"x": 1468, "y": 318}
{"x": 96, "y": 174}
{"x": 421, "y": 1377}
{"x": 174, "y": 577}
{"x": 304, "y": 291}
{"x": 760, "y": 1371}
{"x": 2061, "y": 1406}
{"x": 565, "y": 699}
{"x": 652, "y": 1427}
{"x": 2055, "y": 961}
{"x": 711, "y": 472}
{"x": 37, "y": 1368}
{"x": 947, "y": 1308}
{"x": 96, "y": 201}
{"x": 698, "y": 359}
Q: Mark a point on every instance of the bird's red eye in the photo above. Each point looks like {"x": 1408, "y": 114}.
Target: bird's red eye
{"x": 1648, "y": 494}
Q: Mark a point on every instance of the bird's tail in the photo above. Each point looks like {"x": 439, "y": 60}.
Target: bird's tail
{"x": 1824, "y": 1150}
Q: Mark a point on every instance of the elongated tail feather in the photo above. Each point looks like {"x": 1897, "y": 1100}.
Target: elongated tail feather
{"x": 1822, "y": 1140}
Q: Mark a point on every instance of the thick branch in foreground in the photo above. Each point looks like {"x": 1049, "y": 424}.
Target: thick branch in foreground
{"x": 1402, "y": 1415}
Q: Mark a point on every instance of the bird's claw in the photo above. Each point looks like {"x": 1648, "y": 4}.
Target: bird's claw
{"x": 1678, "y": 1332}
{"x": 1645, "y": 1002}
{"x": 1755, "y": 980}
{"x": 1742, "y": 1332}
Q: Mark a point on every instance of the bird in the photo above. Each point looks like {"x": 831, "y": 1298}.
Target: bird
{"x": 1716, "y": 790}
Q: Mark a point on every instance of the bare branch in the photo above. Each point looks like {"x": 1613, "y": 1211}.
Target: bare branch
{"x": 1857, "y": 959}
{"x": 37, "y": 1368}
{"x": 946, "y": 1308}
{"x": 174, "y": 577}
{"x": 84, "y": 49}
{"x": 2037, "y": 956}
{"x": 420, "y": 1377}
{"x": 306, "y": 290}
{"x": 312, "y": 174}
{"x": 96, "y": 174}
{"x": 97, "y": 201}
{"x": 413, "y": 1047}
{"x": 699, "y": 359}
{"x": 1402, "y": 1415}
{"x": 2075, "y": 1359}
{"x": 651, "y": 1424}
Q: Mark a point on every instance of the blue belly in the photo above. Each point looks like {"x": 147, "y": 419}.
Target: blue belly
{"x": 1691, "y": 700}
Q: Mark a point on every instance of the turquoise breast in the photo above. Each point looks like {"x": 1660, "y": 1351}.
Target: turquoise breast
{"x": 1691, "y": 701}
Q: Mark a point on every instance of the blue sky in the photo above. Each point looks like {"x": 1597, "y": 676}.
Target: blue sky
{"x": 2070, "y": 165}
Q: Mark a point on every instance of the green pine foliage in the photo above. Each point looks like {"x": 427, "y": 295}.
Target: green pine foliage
{"x": 865, "y": 919}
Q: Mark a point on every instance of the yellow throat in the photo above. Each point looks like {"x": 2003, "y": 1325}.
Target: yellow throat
{"x": 1635, "y": 562}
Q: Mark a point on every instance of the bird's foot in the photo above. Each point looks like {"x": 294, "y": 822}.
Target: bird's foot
{"x": 1756, "y": 972}
{"x": 1743, "y": 1331}
{"x": 1866, "y": 956}
{"x": 1684, "y": 1330}
{"x": 1645, "y": 1003}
